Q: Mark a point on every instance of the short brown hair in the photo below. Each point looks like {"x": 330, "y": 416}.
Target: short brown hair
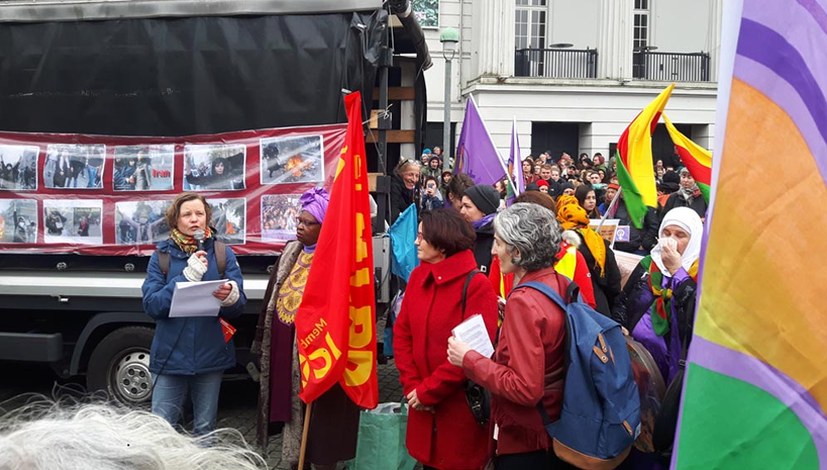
{"x": 459, "y": 184}
{"x": 174, "y": 210}
{"x": 446, "y": 230}
{"x": 536, "y": 197}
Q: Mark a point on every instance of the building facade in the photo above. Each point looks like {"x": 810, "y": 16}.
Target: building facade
{"x": 575, "y": 73}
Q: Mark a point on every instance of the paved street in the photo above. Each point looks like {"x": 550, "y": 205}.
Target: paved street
{"x": 237, "y": 406}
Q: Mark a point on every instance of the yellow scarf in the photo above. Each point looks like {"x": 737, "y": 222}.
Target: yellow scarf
{"x": 572, "y": 216}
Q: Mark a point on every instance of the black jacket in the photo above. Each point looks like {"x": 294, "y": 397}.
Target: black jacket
{"x": 607, "y": 286}
{"x": 677, "y": 199}
{"x": 482, "y": 247}
{"x": 645, "y": 237}
{"x": 401, "y": 197}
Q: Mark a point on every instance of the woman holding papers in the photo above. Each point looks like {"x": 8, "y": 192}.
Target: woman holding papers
{"x": 189, "y": 354}
{"x": 528, "y": 364}
{"x": 442, "y": 432}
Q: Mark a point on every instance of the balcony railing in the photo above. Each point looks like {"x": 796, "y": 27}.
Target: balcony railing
{"x": 556, "y": 63}
{"x": 671, "y": 66}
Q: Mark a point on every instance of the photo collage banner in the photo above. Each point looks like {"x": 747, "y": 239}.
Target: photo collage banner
{"x": 107, "y": 195}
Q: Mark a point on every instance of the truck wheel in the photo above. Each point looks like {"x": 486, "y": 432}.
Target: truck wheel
{"x": 120, "y": 365}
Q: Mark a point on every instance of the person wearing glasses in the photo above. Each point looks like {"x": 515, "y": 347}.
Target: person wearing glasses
{"x": 442, "y": 433}
{"x": 334, "y": 423}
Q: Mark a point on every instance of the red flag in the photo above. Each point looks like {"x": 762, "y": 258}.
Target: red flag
{"x": 336, "y": 322}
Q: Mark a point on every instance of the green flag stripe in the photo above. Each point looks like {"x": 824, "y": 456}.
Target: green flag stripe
{"x": 704, "y": 190}
{"x": 727, "y": 423}
{"x": 631, "y": 195}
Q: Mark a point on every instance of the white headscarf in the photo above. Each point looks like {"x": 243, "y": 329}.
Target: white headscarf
{"x": 688, "y": 220}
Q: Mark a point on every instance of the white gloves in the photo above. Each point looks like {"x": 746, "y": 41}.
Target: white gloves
{"x": 232, "y": 297}
{"x": 195, "y": 269}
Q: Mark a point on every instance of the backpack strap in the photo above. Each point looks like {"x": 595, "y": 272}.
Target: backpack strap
{"x": 464, "y": 298}
{"x": 546, "y": 290}
{"x": 220, "y": 259}
{"x": 163, "y": 261}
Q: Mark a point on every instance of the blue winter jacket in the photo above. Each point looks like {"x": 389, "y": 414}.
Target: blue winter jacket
{"x": 193, "y": 345}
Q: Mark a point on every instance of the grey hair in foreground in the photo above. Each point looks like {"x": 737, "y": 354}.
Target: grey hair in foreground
{"x": 533, "y": 231}
{"x": 45, "y": 435}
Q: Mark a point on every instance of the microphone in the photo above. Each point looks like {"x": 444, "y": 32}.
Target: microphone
{"x": 199, "y": 238}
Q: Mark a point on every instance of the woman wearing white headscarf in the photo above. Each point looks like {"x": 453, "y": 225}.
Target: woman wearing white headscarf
{"x": 658, "y": 302}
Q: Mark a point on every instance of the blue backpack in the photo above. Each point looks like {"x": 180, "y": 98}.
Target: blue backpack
{"x": 600, "y": 418}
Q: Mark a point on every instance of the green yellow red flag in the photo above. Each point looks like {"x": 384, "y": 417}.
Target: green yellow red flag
{"x": 634, "y": 160}
{"x": 695, "y": 158}
{"x": 335, "y": 324}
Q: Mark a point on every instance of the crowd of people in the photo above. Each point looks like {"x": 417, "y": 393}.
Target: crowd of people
{"x": 545, "y": 236}
{"x": 476, "y": 252}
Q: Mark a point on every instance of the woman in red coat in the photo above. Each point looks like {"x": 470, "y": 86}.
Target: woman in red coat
{"x": 442, "y": 433}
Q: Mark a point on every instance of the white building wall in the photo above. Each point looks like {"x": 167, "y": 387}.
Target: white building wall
{"x": 604, "y": 106}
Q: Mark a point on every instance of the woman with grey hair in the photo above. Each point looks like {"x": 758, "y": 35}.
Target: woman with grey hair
{"x": 526, "y": 238}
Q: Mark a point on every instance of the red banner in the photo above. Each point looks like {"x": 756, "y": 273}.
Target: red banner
{"x": 335, "y": 324}
{"x": 106, "y": 195}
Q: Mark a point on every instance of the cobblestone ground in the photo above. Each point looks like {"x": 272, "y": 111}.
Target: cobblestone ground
{"x": 238, "y": 407}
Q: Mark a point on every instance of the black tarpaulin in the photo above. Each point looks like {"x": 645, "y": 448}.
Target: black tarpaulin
{"x": 182, "y": 76}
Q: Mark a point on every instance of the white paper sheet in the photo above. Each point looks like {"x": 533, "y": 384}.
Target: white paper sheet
{"x": 195, "y": 299}
{"x": 473, "y": 332}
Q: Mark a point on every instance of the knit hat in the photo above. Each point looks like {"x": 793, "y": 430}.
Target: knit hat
{"x": 613, "y": 186}
{"x": 485, "y": 197}
{"x": 532, "y": 187}
{"x": 427, "y": 151}
{"x": 434, "y": 158}
{"x": 671, "y": 177}
{"x": 541, "y": 183}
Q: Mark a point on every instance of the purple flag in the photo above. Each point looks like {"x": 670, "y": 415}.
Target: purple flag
{"x": 476, "y": 154}
{"x": 515, "y": 161}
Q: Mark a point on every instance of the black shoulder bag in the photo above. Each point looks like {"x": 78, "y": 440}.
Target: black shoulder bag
{"x": 478, "y": 398}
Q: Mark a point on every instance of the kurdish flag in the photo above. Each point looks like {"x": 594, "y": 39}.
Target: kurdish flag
{"x": 695, "y": 158}
{"x": 335, "y": 323}
{"x": 755, "y": 391}
{"x": 634, "y": 160}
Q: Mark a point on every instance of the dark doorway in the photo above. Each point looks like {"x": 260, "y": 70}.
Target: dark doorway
{"x": 555, "y": 137}
{"x": 433, "y": 137}
{"x": 662, "y": 146}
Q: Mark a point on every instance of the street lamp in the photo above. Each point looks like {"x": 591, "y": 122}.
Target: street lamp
{"x": 449, "y": 37}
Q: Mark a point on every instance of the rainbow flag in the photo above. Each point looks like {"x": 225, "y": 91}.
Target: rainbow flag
{"x": 634, "y": 160}
{"x": 695, "y": 158}
{"x": 756, "y": 386}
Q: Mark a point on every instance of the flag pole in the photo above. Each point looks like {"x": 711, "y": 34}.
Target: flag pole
{"x": 305, "y": 431}
{"x": 609, "y": 209}
{"x": 499, "y": 158}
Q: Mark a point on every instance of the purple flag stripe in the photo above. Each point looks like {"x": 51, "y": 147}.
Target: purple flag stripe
{"x": 770, "y": 49}
{"x": 755, "y": 372}
{"x": 476, "y": 154}
{"x": 778, "y": 15}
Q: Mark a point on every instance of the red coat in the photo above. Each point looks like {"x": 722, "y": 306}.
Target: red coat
{"x": 448, "y": 438}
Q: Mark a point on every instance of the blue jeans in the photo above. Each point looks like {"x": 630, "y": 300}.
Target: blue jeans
{"x": 170, "y": 391}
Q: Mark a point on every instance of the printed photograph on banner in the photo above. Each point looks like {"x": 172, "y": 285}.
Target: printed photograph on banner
{"x": 141, "y": 222}
{"x": 18, "y": 221}
{"x": 278, "y": 216}
{"x": 229, "y": 219}
{"x": 74, "y": 166}
{"x": 294, "y": 159}
{"x": 426, "y": 12}
{"x": 214, "y": 167}
{"x": 72, "y": 221}
{"x": 18, "y": 167}
{"x": 607, "y": 231}
{"x": 143, "y": 167}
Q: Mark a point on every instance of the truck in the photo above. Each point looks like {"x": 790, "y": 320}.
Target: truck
{"x": 88, "y": 85}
